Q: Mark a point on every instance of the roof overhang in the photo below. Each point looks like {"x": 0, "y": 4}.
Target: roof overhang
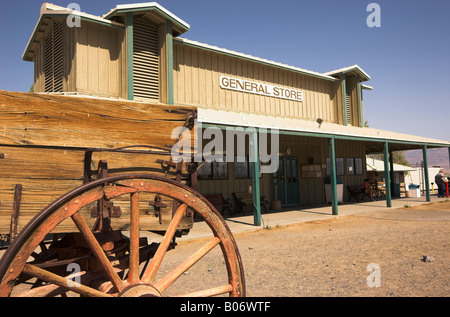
{"x": 374, "y": 138}
{"x": 49, "y": 11}
{"x": 160, "y": 13}
{"x": 350, "y": 70}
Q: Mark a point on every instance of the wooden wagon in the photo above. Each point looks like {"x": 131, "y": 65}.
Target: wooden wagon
{"x": 91, "y": 201}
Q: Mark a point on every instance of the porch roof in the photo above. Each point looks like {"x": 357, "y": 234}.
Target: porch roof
{"x": 374, "y": 138}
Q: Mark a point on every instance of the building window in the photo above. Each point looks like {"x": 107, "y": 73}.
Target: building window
{"x": 340, "y": 171}
{"x": 241, "y": 167}
{"x": 205, "y": 171}
{"x": 350, "y": 166}
{"x": 358, "y": 166}
{"x": 213, "y": 170}
{"x": 220, "y": 170}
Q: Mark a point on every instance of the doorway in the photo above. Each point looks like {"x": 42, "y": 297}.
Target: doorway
{"x": 285, "y": 181}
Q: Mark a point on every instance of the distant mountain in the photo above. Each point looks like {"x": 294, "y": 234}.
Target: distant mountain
{"x": 436, "y": 157}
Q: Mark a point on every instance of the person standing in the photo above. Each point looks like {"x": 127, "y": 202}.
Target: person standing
{"x": 439, "y": 179}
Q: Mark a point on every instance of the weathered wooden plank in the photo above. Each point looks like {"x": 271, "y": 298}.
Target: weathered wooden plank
{"x": 50, "y": 120}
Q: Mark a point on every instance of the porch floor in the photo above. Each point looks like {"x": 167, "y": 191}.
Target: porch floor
{"x": 300, "y": 214}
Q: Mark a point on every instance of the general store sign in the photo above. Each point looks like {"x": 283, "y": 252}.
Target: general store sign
{"x": 243, "y": 85}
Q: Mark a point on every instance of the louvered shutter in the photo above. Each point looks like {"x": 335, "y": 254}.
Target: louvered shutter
{"x": 145, "y": 60}
{"x": 54, "y": 58}
{"x": 348, "y": 105}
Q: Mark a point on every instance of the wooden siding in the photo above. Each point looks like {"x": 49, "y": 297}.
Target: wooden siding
{"x": 99, "y": 67}
{"x": 196, "y": 82}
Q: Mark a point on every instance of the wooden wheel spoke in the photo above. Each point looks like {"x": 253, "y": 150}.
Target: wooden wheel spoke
{"x": 133, "y": 275}
{"x": 97, "y": 250}
{"x": 210, "y": 292}
{"x": 50, "y": 277}
{"x": 152, "y": 269}
{"x": 167, "y": 280}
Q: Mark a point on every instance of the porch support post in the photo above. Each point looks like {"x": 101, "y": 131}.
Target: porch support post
{"x": 170, "y": 94}
{"x": 425, "y": 171}
{"x": 391, "y": 173}
{"x": 332, "y": 153}
{"x": 255, "y": 178}
{"x": 129, "y": 34}
{"x": 387, "y": 180}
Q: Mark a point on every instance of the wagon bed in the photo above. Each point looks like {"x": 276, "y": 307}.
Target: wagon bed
{"x": 51, "y": 144}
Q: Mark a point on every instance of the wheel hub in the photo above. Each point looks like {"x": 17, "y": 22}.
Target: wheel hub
{"x": 140, "y": 290}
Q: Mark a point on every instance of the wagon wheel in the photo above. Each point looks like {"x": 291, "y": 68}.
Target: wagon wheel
{"x": 20, "y": 262}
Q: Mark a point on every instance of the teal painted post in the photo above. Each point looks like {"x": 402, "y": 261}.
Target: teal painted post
{"x": 333, "y": 182}
{"x": 425, "y": 171}
{"x": 129, "y": 32}
{"x": 361, "y": 117}
{"x": 391, "y": 172}
{"x": 255, "y": 178}
{"x": 387, "y": 178}
{"x": 170, "y": 98}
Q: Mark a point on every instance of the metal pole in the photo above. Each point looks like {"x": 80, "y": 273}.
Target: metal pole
{"x": 391, "y": 173}
{"x": 255, "y": 179}
{"x": 425, "y": 170}
{"x": 387, "y": 180}
{"x": 332, "y": 151}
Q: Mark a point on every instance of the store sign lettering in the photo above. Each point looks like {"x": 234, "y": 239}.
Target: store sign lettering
{"x": 238, "y": 84}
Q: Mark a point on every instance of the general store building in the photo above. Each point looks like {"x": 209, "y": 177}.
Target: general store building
{"x": 137, "y": 52}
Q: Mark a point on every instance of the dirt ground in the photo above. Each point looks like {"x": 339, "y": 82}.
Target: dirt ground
{"x": 338, "y": 257}
{"x": 333, "y": 258}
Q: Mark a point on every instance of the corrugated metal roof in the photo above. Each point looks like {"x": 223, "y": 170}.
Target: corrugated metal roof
{"x": 327, "y": 129}
{"x": 253, "y": 58}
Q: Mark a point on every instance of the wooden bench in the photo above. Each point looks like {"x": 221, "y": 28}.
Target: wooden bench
{"x": 244, "y": 200}
{"x": 380, "y": 190}
{"x": 356, "y": 193}
{"x": 219, "y": 203}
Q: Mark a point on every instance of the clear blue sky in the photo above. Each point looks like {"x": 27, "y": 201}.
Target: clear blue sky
{"x": 407, "y": 57}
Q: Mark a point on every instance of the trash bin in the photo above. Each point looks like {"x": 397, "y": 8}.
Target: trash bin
{"x": 339, "y": 189}
{"x": 414, "y": 190}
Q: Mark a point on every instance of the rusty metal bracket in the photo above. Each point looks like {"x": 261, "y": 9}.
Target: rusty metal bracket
{"x": 158, "y": 204}
{"x": 166, "y": 165}
{"x": 108, "y": 210}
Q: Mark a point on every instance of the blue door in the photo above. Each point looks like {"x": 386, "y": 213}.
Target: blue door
{"x": 285, "y": 182}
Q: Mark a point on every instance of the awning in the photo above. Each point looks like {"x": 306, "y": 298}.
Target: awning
{"x": 374, "y": 138}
